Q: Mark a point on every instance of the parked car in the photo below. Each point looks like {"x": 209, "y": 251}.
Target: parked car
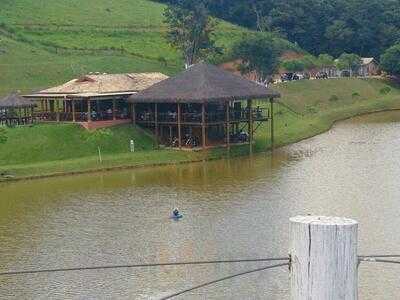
{"x": 289, "y": 77}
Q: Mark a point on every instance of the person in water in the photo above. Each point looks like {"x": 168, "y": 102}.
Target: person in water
{"x": 176, "y": 212}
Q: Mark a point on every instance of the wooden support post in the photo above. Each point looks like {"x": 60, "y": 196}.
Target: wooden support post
{"x": 57, "y": 108}
{"x": 324, "y": 260}
{"x": 228, "y": 121}
{"x": 89, "y": 111}
{"x": 250, "y": 130}
{"x": 97, "y": 107}
{"x": 179, "y": 127}
{"x": 271, "y": 100}
{"x": 156, "y": 123}
{"x": 203, "y": 125}
{"x": 134, "y": 114}
{"x": 73, "y": 110}
{"x": 19, "y": 116}
{"x": 113, "y": 109}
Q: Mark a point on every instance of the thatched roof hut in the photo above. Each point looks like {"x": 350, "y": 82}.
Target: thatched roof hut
{"x": 101, "y": 85}
{"x": 203, "y": 83}
{"x": 14, "y": 100}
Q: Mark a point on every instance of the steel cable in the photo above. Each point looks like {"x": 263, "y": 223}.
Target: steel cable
{"x": 222, "y": 279}
{"x": 141, "y": 266}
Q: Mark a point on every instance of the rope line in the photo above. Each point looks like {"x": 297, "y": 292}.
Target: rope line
{"x": 222, "y": 279}
{"x": 378, "y": 256}
{"x": 142, "y": 266}
{"x": 377, "y": 260}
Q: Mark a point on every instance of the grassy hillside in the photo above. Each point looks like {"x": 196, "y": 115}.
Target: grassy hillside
{"x": 310, "y": 107}
{"x": 305, "y": 109}
{"x": 43, "y": 43}
{"x": 48, "y": 142}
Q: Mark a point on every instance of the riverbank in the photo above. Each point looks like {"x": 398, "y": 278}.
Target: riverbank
{"x": 307, "y": 108}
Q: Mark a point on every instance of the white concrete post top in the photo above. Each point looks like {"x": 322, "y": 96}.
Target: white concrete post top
{"x": 324, "y": 260}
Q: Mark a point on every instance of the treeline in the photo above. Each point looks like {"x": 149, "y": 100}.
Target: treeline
{"x": 365, "y": 27}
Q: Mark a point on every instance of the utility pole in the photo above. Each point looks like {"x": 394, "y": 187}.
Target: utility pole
{"x": 323, "y": 252}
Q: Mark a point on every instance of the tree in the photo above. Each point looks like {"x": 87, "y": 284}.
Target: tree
{"x": 293, "y": 65}
{"x": 325, "y": 61}
{"x": 190, "y": 29}
{"x": 258, "y": 53}
{"x": 390, "y": 60}
{"x": 350, "y": 62}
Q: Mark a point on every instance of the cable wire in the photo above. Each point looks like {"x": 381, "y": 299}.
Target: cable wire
{"x": 378, "y": 256}
{"x": 142, "y": 265}
{"x": 222, "y": 279}
{"x": 377, "y": 260}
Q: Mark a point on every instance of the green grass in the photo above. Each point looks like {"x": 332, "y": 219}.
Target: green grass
{"x": 48, "y": 142}
{"x": 44, "y": 43}
{"x": 306, "y": 109}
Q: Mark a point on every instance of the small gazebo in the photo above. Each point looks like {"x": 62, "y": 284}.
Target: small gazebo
{"x": 202, "y": 107}
{"x": 16, "y": 110}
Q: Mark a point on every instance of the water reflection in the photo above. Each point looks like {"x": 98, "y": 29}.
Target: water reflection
{"x": 235, "y": 208}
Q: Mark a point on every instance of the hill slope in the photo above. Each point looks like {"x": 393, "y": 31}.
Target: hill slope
{"x": 47, "y": 42}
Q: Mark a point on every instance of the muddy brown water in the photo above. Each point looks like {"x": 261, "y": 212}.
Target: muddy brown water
{"x": 236, "y": 208}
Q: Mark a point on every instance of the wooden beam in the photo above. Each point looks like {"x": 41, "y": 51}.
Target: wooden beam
{"x": 73, "y": 110}
{"x": 228, "y": 120}
{"x": 250, "y": 130}
{"x": 89, "y": 113}
{"x": 271, "y": 100}
{"x": 179, "y": 127}
{"x": 324, "y": 259}
{"x": 19, "y": 115}
{"x": 113, "y": 109}
{"x": 133, "y": 113}
{"x": 156, "y": 123}
{"x": 203, "y": 125}
{"x": 57, "y": 108}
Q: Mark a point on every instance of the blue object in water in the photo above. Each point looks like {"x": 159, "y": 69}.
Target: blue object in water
{"x": 177, "y": 217}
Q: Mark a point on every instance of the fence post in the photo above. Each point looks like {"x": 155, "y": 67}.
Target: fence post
{"x": 323, "y": 253}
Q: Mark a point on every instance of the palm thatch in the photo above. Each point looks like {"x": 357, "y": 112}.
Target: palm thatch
{"x": 203, "y": 83}
{"x": 14, "y": 100}
{"x": 93, "y": 85}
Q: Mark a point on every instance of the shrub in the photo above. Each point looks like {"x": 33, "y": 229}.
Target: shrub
{"x": 390, "y": 60}
{"x": 355, "y": 95}
{"x": 386, "y": 90}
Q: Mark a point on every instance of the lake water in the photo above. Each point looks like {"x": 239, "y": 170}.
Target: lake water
{"x": 232, "y": 209}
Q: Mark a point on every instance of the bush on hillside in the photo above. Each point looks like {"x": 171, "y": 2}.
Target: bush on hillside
{"x": 386, "y": 90}
{"x": 390, "y": 60}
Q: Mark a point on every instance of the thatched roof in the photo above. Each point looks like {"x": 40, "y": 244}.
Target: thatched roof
{"x": 102, "y": 84}
{"x": 203, "y": 83}
{"x": 15, "y": 101}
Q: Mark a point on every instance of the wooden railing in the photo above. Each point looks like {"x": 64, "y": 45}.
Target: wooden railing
{"x": 259, "y": 114}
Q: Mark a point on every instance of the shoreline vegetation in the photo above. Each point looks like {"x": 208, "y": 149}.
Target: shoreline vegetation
{"x": 307, "y": 108}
